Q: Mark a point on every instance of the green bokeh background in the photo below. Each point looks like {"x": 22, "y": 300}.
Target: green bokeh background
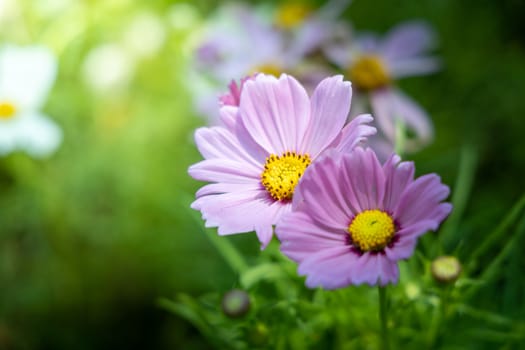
{"x": 92, "y": 237}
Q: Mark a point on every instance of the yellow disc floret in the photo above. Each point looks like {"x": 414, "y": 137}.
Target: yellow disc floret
{"x": 282, "y": 173}
{"x": 371, "y": 230}
{"x": 369, "y": 72}
{"x": 292, "y": 14}
{"x": 7, "y": 110}
{"x": 267, "y": 68}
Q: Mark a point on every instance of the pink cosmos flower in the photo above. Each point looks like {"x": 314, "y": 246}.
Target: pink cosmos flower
{"x": 373, "y": 65}
{"x": 354, "y": 218}
{"x": 266, "y": 144}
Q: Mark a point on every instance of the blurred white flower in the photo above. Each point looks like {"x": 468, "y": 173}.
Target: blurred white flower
{"x": 107, "y": 67}
{"x": 145, "y": 35}
{"x": 26, "y": 77}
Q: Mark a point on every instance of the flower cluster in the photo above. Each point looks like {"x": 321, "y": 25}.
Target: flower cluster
{"x": 311, "y": 44}
{"x": 296, "y": 157}
{"x": 284, "y": 159}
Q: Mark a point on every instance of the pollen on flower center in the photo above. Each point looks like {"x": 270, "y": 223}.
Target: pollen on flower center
{"x": 369, "y": 72}
{"x": 292, "y": 14}
{"x": 371, "y": 230}
{"x": 282, "y": 173}
{"x": 267, "y": 68}
{"x": 7, "y": 110}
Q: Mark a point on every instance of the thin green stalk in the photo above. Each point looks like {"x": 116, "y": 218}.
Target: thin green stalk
{"x": 383, "y": 317}
{"x": 462, "y": 188}
{"x": 223, "y": 246}
{"x": 399, "y": 147}
{"x": 502, "y": 229}
{"x": 228, "y": 251}
{"x": 493, "y": 269}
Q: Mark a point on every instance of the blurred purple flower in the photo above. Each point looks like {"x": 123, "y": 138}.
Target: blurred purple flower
{"x": 354, "y": 218}
{"x": 373, "y": 65}
{"x": 241, "y": 42}
{"x": 257, "y": 158}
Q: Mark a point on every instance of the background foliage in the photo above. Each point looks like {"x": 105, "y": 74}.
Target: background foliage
{"x": 92, "y": 237}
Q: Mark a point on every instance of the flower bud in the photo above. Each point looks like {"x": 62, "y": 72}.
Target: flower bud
{"x": 446, "y": 269}
{"x": 235, "y": 303}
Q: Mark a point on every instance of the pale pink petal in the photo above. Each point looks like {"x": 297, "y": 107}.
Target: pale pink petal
{"x": 226, "y": 171}
{"x": 415, "y": 119}
{"x": 301, "y": 236}
{"x": 421, "y": 201}
{"x": 218, "y": 188}
{"x": 403, "y": 248}
{"x": 219, "y": 143}
{"x": 355, "y": 133}
{"x": 243, "y": 211}
{"x": 375, "y": 269}
{"x": 329, "y": 109}
{"x": 401, "y": 68}
{"x": 390, "y": 105}
{"x": 398, "y": 176}
{"x": 381, "y": 146}
{"x": 276, "y": 112}
{"x": 320, "y": 187}
{"x": 363, "y": 179}
{"x": 408, "y": 39}
{"x": 329, "y": 268}
{"x": 229, "y": 116}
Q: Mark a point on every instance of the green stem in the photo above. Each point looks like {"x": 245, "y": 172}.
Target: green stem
{"x": 228, "y": 252}
{"x": 383, "y": 317}
{"x": 399, "y": 147}
{"x": 225, "y": 248}
{"x": 500, "y": 231}
{"x": 462, "y": 189}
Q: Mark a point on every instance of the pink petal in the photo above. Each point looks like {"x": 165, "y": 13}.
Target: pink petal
{"x": 326, "y": 202}
{"x": 238, "y": 212}
{"x": 276, "y": 113}
{"x": 375, "y": 269}
{"x": 219, "y": 143}
{"x": 329, "y": 268}
{"x": 366, "y": 189}
{"x": 421, "y": 201}
{"x": 225, "y": 171}
{"x": 403, "y": 248}
{"x": 408, "y": 67}
{"x": 301, "y": 236}
{"x": 408, "y": 39}
{"x": 390, "y": 105}
{"x": 355, "y": 133}
{"x": 398, "y": 176}
{"x": 330, "y": 108}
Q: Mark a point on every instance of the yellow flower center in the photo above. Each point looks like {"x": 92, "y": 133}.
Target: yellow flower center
{"x": 292, "y": 14}
{"x": 267, "y": 68}
{"x": 7, "y": 110}
{"x": 372, "y": 230}
{"x": 281, "y": 174}
{"x": 369, "y": 72}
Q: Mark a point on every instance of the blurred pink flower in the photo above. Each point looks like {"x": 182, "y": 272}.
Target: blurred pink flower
{"x": 257, "y": 158}
{"x": 233, "y": 96}
{"x": 373, "y": 65}
{"x": 354, "y": 218}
